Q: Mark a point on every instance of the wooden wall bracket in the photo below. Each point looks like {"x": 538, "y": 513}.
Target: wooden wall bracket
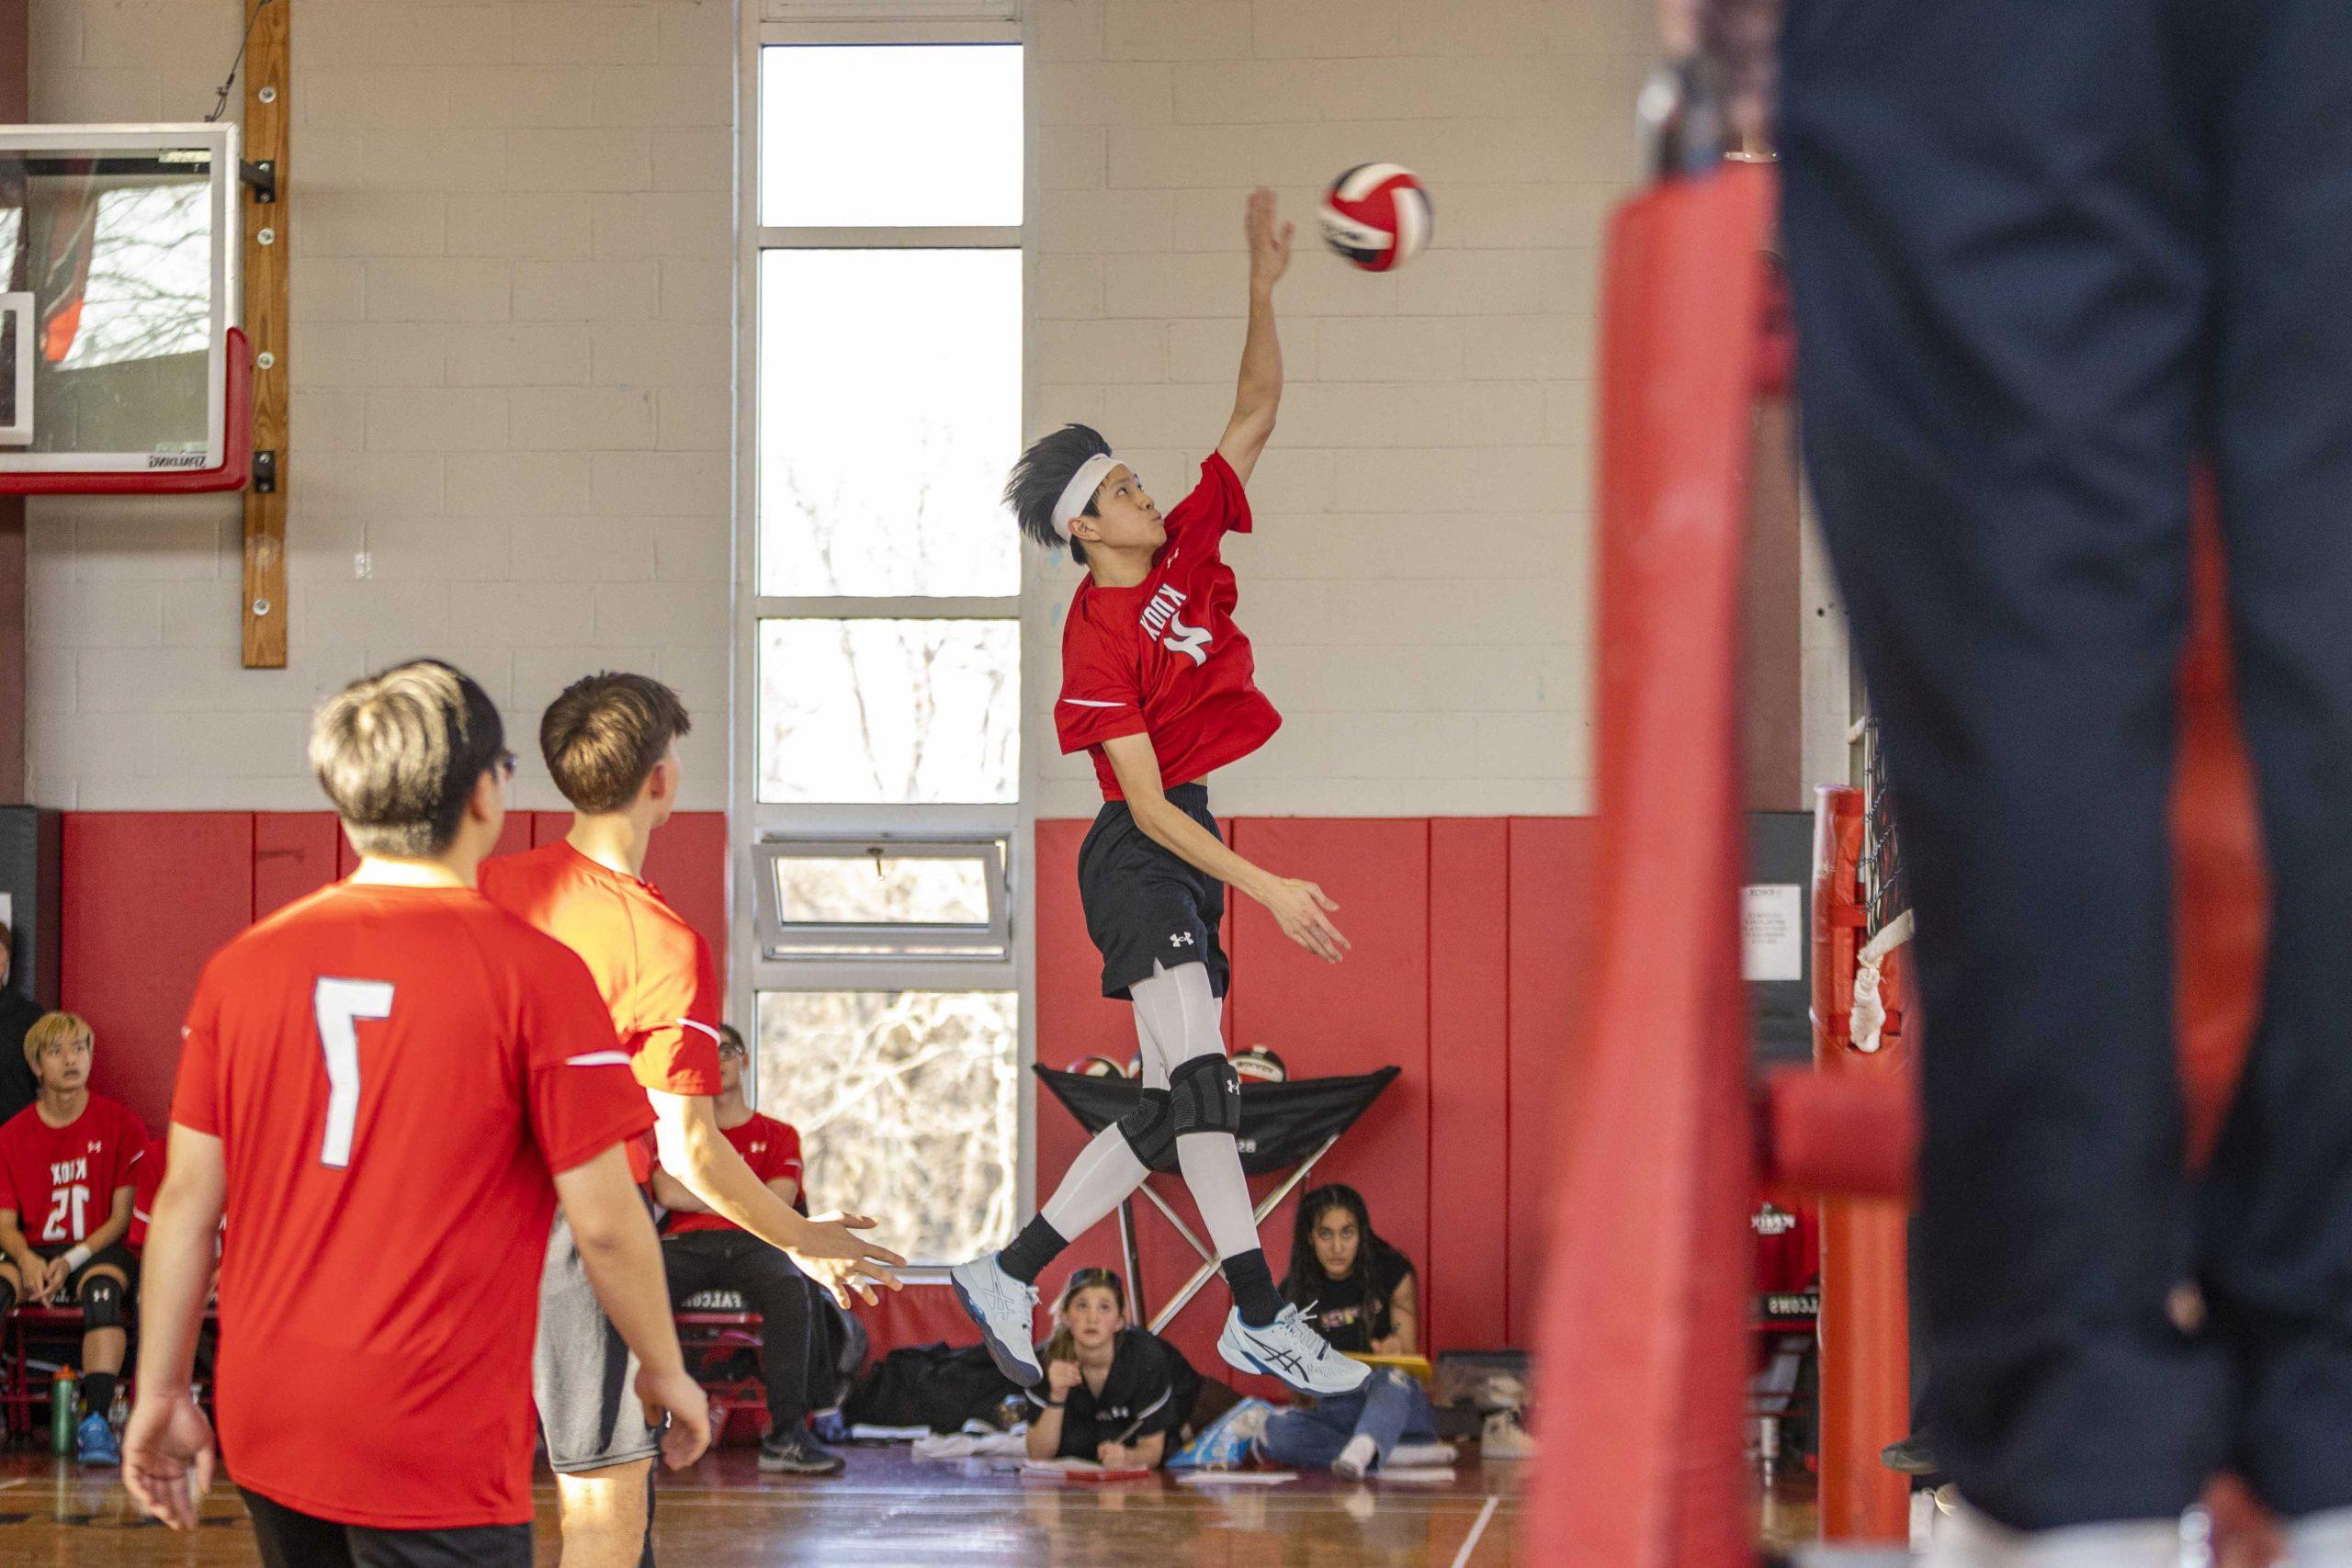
{"x": 268, "y": 122}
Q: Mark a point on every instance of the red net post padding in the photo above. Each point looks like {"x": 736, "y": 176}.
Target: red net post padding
{"x": 236, "y": 453}
{"x": 1645, "y": 1315}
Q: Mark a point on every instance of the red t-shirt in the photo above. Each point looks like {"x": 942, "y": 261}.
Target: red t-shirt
{"x": 395, "y": 1075}
{"x": 1164, "y": 658}
{"x": 772, "y": 1148}
{"x": 62, "y": 1180}
{"x": 653, "y": 970}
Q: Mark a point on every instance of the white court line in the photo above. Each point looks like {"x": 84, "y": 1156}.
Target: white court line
{"x": 1470, "y": 1543}
{"x": 20, "y": 1481}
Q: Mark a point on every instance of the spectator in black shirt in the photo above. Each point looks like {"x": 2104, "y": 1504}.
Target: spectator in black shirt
{"x": 18, "y": 1013}
{"x": 1354, "y": 1288}
{"x": 1112, "y": 1393}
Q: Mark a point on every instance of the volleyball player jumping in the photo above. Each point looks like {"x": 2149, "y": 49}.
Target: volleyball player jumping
{"x": 1158, "y": 685}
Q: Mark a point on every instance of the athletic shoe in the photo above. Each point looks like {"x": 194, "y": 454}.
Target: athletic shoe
{"x": 1360, "y": 1454}
{"x": 1421, "y": 1456}
{"x": 93, "y": 1441}
{"x": 1912, "y": 1456}
{"x": 1290, "y": 1350}
{"x": 797, "y": 1453}
{"x": 1006, "y": 1313}
{"x": 1504, "y": 1438}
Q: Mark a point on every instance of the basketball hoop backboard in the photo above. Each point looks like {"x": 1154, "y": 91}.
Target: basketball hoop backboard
{"x": 118, "y": 248}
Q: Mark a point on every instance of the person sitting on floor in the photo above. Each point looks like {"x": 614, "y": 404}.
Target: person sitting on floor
{"x": 65, "y": 1187}
{"x": 1112, "y": 1393}
{"x": 1386, "y": 1419}
{"x": 1355, "y": 1289}
{"x": 704, "y": 1251}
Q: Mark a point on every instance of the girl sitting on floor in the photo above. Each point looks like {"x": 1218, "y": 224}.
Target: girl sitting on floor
{"x": 1355, "y": 1289}
{"x": 1112, "y": 1393}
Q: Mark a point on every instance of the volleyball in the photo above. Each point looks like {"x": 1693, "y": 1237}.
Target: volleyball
{"x": 1377, "y": 215}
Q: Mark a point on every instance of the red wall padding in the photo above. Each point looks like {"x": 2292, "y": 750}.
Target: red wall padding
{"x": 1468, "y": 934}
{"x": 1465, "y": 1287}
{"x": 150, "y": 895}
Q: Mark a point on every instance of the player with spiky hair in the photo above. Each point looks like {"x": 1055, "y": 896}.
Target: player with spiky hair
{"x": 1158, "y": 686}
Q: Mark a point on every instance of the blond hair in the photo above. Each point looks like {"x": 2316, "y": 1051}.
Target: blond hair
{"x": 54, "y": 1029}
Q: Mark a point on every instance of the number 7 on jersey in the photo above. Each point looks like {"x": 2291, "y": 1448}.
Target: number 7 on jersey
{"x": 339, "y": 1004}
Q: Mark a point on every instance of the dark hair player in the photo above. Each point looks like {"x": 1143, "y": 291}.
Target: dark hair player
{"x": 1158, "y": 684}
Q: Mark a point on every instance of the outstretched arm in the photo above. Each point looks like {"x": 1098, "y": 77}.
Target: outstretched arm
{"x": 1259, "y": 393}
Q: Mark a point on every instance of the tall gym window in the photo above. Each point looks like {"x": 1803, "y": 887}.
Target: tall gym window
{"x": 879, "y": 759}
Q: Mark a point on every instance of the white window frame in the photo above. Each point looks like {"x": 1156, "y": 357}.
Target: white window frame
{"x": 754, "y": 825}
{"x": 986, "y": 940}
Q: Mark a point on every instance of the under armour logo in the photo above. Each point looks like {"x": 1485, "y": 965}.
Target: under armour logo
{"x": 1182, "y": 939}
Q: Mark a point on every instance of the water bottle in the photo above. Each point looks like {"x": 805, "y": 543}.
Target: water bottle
{"x": 62, "y": 1401}
{"x": 120, "y": 1416}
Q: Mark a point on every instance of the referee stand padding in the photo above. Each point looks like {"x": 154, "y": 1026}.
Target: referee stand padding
{"x": 1646, "y": 1309}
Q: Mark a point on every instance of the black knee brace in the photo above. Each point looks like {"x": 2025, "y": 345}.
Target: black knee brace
{"x": 1150, "y": 1128}
{"x": 102, "y": 1301}
{"x": 1206, "y": 1092}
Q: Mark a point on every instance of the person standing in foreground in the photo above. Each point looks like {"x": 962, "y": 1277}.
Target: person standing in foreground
{"x": 610, "y": 741}
{"x": 2047, "y": 259}
{"x": 1159, "y": 686}
{"x": 387, "y": 1089}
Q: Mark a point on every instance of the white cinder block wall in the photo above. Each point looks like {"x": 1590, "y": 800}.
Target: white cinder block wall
{"x": 1418, "y": 589}
{"x": 512, "y": 230}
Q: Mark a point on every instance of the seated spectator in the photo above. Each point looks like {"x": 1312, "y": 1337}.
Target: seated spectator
{"x": 1112, "y": 1393}
{"x": 1356, "y": 1289}
{"x": 1355, "y": 1432}
{"x": 704, "y": 1251}
{"x": 66, "y": 1178}
{"x": 18, "y": 1013}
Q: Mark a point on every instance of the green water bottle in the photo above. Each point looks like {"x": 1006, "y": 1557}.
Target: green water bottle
{"x": 61, "y": 1404}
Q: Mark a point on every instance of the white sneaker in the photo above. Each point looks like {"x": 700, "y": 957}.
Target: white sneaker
{"x": 1360, "y": 1454}
{"x": 1005, "y": 1310}
{"x": 1504, "y": 1438}
{"x": 1289, "y": 1350}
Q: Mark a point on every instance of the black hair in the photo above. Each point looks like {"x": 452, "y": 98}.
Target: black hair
{"x": 1305, "y": 1281}
{"x": 1043, "y": 473}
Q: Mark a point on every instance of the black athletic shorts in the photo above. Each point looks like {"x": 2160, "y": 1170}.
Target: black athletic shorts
{"x": 117, "y": 1254}
{"x": 288, "y": 1537}
{"x": 1144, "y": 906}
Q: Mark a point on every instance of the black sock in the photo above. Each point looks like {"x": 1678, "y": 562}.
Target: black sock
{"x": 97, "y": 1392}
{"x": 1253, "y": 1287}
{"x": 1037, "y": 1245}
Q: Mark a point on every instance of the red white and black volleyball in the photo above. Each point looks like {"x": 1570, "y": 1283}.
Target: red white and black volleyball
{"x": 1377, "y": 215}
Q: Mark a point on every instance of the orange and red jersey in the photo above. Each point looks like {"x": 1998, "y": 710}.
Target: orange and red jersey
{"x": 772, "y": 1148}
{"x": 62, "y": 1180}
{"x": 653, "y": 970}
{"x": 395, "y": 1075}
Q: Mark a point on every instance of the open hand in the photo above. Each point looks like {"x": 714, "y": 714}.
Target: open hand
{"x": 832, "y": 1254}
{"x": 1269, "y": 242}
{"x": 1298, "y": 908}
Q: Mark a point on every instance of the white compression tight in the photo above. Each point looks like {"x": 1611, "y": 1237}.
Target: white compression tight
{"x": 1177, "y": 1017}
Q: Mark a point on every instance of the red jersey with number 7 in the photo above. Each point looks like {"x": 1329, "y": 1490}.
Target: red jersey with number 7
{"x": 62, "y": 1180}
{"x": 1163, "y": 658}
{"x": 395, "y": 1075}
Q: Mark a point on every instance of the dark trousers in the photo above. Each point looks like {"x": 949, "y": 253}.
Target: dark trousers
{"x": 287, "y": 1537}
{"x": 2046, "y": 254}
{"x": 796, "y": 1350}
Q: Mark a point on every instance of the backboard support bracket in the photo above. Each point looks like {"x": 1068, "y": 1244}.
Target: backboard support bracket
{"x": 268, "y": 122}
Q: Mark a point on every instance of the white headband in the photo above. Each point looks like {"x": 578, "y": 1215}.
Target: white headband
{"x": 1079, "y": 494}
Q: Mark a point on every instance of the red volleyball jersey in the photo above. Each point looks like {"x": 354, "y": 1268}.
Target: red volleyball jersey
{"x": 653, "y": 970}
{"x": 1164, "y": 658}
{"x": 62, "y": 1180}
{"x": 395, "y": 1075}
{"x": 772, "y": 1148}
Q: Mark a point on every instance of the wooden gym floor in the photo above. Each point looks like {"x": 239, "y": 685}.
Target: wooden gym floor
{"x": 889, "y": 1511}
